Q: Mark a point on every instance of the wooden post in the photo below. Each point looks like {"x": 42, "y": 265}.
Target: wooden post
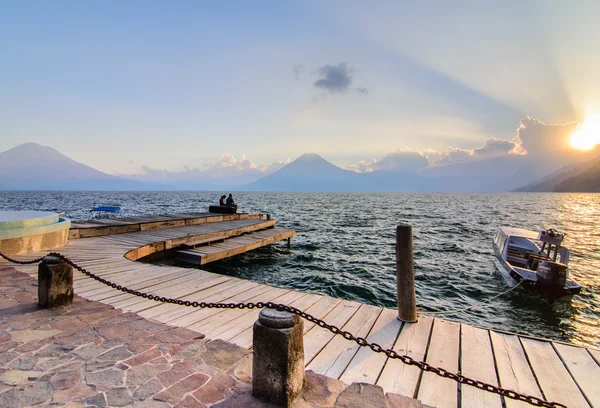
{"x": 289, "y": 243}
{"x": 405, "y": 275}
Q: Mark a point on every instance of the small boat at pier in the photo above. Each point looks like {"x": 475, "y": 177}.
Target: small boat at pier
{"x": 536, "y": 261}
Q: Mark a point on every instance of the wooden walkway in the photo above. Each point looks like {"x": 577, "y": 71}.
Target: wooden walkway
{"x": 233, "y": 246}
{"x": 553, "y": 370}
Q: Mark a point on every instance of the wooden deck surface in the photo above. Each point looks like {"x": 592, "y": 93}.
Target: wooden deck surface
{"x": 553, "y": 370}
{"x": 212, "y": 252}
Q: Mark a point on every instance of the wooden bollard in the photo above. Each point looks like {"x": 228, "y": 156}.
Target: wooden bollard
{"x": 278, "y": 361}
{"x": 405, "y": 274}
{"x": 55, "y": 283}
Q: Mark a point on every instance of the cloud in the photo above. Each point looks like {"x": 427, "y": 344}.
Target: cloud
{"x": 227, "y": 170}
{"x": 491, "y": 148}
{"x": 363, "y": 91}
{"x": 335, "y": 78}
{"x": 363, "y": 166}
{"x": 400, "y": 160}
{"x": 449, "y": 156}
{"x": 533, "y": 139}
{"x": 539, "y": 139}
{"x": 497, "y": 147}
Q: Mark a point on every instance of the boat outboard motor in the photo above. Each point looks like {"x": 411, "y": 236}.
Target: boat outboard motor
{"x": 551, "y": 278}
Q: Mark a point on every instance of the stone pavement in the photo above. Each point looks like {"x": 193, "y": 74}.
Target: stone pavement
{"x": 90, "y": 354}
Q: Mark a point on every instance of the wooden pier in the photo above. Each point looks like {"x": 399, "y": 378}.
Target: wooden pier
{"x": 548, "y": 369}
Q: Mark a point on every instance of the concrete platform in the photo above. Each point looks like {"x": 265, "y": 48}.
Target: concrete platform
{"x": 23, "y": 232}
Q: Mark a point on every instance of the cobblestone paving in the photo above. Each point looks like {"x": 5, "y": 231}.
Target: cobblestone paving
{"x": 90, "y": 354}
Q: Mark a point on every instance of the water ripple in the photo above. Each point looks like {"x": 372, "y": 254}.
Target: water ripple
{"x": 344, "y": 247}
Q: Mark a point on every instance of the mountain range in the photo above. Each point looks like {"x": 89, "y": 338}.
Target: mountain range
{"x": 33, "y": 167}
{"x": 572, "y": 178}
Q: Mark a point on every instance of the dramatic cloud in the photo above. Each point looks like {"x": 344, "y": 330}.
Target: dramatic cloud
{"x": 335, "y": 78}
{"x": 539, "y": 139}
{"x": 533, "y": 139}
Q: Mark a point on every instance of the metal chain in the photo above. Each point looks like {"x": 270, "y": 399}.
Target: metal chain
{"x": 9, "y": 259}
{"x": 361, "y": 341}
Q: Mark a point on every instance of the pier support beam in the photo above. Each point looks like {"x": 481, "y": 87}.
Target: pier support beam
{"x": 55, "y": 283}
{"x": 405, "y": 275}
{"x": 278, "y": 361}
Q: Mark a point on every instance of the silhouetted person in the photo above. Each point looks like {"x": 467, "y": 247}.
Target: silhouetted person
{"x": 222, "y": 200}
{"x": 229, "y": 202}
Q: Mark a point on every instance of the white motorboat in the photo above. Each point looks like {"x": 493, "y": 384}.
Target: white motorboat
{"x": 536, "y": 261}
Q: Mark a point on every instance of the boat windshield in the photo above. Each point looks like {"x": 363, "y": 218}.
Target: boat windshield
{"x": 524, "y": 243}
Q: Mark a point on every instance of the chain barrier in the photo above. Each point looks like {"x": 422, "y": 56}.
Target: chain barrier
{"x": 361, "y": 341}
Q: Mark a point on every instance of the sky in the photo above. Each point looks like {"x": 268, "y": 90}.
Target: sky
{"x": 146, "y": 86}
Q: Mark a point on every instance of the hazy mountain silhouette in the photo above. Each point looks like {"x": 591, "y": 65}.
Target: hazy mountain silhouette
{"x": 587, "y": 181}
{"x": 309, "y": 172}
{"x": 31, "y": 166}
{"x": 34, "y": 167}
{"x": 577, "y": 177}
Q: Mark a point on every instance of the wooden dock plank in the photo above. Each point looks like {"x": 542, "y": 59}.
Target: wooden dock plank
{"x": 333, "y": 359}
{"x": 244, "y": 339}
{"x": 595, "y": 354}
{"x": 171, "y": 289}
{"x": 196, "y": 318}
{"x": 398, "y": 377}
{"x": 165, "y": 312}
{"x": 246, "y": 320}
{"x": 584, "y": 370}
{"x": 133, "y": 281}
{"x": 318, "y": 337}
{"x": 513, "y": 368}
{"x": 320, "y": 309}
{"x": 366, "y": 365}
{"x": 553, "y": 377}
{"x": 232, "y": 246}
{"x": 477, "y": 361}
{"x": 217, "y": 320}
{"x": 442, "y": 352}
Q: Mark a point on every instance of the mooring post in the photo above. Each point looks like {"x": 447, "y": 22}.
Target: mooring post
{"x": 405, "y": 274}
{"x": 55, "y": 283}
{"x": 278, "y": 361}
{"x": 268, "y": 217}
{"x": 289, "y": 243}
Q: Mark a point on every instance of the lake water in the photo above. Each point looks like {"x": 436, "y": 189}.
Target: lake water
{"x": 344, "y": 247}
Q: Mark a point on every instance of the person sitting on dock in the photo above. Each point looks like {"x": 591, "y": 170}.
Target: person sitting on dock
{"x": 222, "y": 200}
{"x": 229, "y": 202}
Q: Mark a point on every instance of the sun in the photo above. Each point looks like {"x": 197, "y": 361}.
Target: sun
{"x": 587, "y": 134}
